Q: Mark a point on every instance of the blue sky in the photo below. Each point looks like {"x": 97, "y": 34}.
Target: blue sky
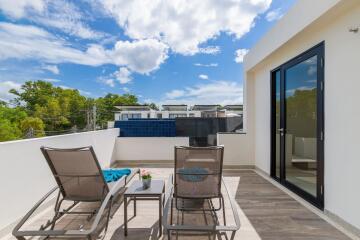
{"x": 162, "y": 51}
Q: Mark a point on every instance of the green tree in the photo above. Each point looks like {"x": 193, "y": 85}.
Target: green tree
{"x": 106, "y": 106}
{"x": 14, "y": 115}
{"x": 53, "y": 110}
{"x": 59, "y": 109}
{"x": 32, "y": 124}
{"x": 10, "y": 119}
{"x": 9, "y": 131}
{"x": 34, "y": 93}
{"x": 153, "y": 106}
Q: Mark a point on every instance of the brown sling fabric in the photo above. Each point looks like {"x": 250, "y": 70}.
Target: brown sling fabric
{"x": 77, "y": 172}
{"x": 198, "y": 172}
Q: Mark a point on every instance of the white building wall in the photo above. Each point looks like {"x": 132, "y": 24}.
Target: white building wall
{"x": 117, "y": 116}
{"x": 165, "y": 114}
{"x": 147, "y": 148}
{"x": 145, "y": 114}
{"x": 196, "y": 113}
{"x": 25, "y": 175}
{"x": 342, "y": 116}
{"x": 153, "y": 113}
{"x": 237, "y": 149}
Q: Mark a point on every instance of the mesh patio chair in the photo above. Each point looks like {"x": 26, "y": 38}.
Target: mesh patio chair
{"x": 79, "y": 178}
{"x": 196, "y": 182}
{"x": 198, "y": 172}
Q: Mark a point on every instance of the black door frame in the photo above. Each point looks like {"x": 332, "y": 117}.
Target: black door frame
{"x": 318, "y": 50}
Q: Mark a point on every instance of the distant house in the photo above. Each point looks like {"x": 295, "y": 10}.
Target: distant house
{"x": 219, "y": 111}
{"x": 133, "y": 111}
{"x": 208, "y": 110}
{"x": 176, "y": 111}
{"x": 233, "y": 110}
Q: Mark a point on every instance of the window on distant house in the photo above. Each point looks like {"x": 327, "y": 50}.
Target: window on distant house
{"x": 124, "y": 117}
{"x": 176, "y": 115}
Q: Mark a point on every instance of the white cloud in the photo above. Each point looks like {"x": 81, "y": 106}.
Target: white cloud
{"x": 125, "y": 89}
{"x": 142, "y": 56}
{"x": 240, "y": 54}
{"x": 203, "y": 76}
{"x": 311, "y": 70}
{"x": 175, "y": 94}
{"x": 30, "y": 42}
{"x": 123, "y": 75}
{"x": 107, "y": 81}
{"x": 52, "y": 68}
{"x": 274, "y": 15}
{"x": 184, "y": 25}
{"x": 311, "y": 60}
{"x": 60, "y": 14}
{"x": 65, "y": 87}
{"x": 206, "y": 65}
{"x": 218, "y": 92}
{"x": 5, "y": 86}
{"x": 213, "y": 50}
{"x": 65, "y": 16}
{"x": 19, "y": 8}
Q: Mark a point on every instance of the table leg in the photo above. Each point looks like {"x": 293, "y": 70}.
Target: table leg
{"x": 125, "y": 216}
{"x": 160, "y": 215}
{"x": 134, "y": 206}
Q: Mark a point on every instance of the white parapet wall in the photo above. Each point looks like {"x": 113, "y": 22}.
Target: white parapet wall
{"x": 147, "y": 148}
{"x": 237, "y": 149}
{"x": 25, "y": 176}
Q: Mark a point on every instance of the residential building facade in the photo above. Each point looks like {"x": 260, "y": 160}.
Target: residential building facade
{"x": 176, "y": 111}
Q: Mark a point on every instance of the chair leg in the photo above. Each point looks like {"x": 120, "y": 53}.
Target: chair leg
{"x": 171, "y": 212}
{"x": 168, "y": 234}
{"x": 56, "y": 210}
{"x": 223, "y": 207}
{"x": 20, "y": 238}
{"x": 232, "y": 235}
{"x": 108, "y": 217}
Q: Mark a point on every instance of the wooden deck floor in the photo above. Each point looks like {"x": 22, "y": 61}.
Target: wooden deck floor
{"x": 275, "y": 215}
{"x": 265, "y": 213}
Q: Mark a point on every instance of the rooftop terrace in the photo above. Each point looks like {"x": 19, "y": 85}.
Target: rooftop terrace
{"x": 265, "y": 211}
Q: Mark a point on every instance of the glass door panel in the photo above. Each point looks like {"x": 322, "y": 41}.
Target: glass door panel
{"x": 297, "y": 113}
{"x": 277, "y": 124}
{"x": 301, "y": 125}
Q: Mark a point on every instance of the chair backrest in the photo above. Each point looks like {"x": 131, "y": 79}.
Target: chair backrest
{"x": 77, "y": 173}
{"x": 198, "y": 172}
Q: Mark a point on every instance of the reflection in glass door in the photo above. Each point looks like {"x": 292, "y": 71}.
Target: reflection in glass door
{"x": 276, "y": 79}
{"x": 301, "y": 119}
{"x": 297, "y": 125}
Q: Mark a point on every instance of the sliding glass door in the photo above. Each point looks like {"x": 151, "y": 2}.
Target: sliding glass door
{"x": 297, "y": 124}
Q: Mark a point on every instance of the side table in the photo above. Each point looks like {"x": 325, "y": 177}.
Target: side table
{"x": 136, "y": 192}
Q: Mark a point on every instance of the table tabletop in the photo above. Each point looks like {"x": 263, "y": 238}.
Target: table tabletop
{"x": 136, "y": 188}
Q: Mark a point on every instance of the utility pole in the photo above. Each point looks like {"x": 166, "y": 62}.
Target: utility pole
{"x": 94, "y": 117}
{"x": 30, "y": 133}
{"x": 87, "y": 112}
